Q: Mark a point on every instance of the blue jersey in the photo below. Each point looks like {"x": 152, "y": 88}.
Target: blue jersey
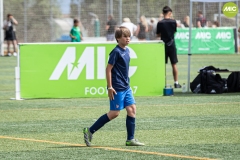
{"x": 120, "y": 59}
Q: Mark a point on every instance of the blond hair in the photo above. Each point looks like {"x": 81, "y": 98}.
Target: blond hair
{"x": 186, "y": 19}
{"x": 144, "y": 21}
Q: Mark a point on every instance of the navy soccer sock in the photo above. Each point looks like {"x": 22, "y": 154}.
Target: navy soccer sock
{"x": 130, "y": 124}
{"x": 99, "y": 123}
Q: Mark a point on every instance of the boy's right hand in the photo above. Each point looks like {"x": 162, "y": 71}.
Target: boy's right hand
{"x": 111, "y": 93}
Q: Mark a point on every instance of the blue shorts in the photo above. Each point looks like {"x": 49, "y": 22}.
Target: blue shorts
{"x": 122, "y": 100}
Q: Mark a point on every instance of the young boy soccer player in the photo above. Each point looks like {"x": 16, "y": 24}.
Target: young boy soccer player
{"x": 119, "y": 92}
{"x": 75, "y": 32}
{"x": 166, "y": 29}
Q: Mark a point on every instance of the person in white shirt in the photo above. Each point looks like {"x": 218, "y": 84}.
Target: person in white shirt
{"x": 128, "y": 24}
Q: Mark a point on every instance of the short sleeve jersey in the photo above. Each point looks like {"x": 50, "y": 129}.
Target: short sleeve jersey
{"x": 167, "y": 28}
{"x": 112, "y": 24}
{"x": 120, "y": 59}
{"x": 75, "y": 31}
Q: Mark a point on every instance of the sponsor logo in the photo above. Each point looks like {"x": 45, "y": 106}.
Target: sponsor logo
{"x": 182, "y": 35}
{"x": 203, "y": 35}
{"x": 103, "y": 90}
{"x": 230, "y": 9}
{"x": 87, "y": 60}
{"x": 223, "y": 35}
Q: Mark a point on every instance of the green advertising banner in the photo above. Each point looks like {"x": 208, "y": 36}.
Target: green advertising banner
{"x": 206, "y": 41}
{"x": 70, "y": 70}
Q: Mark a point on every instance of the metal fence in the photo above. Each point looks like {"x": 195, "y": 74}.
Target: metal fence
{"x": 51, "y": 20}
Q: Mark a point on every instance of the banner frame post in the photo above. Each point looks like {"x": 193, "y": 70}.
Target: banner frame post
{"x": 17, "y": 78}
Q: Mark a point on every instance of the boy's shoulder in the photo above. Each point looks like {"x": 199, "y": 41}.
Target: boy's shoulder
{"x": 118, "y": 50}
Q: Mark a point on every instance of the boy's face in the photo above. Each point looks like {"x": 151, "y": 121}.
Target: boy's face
{"x": 76, "y": 24}
{"x": 124, "y": 40}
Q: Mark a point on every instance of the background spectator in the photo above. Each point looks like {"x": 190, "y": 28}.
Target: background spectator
{"x": 215, "y": 24}
{"x": 110, "y": 27}
{"x": 75, "y": 32}
{"x": 160, "y": 17}
{"x": 186, "y": 21}
{"x": 128, "y": 24}
{"x": 142, "y": 28}
{"x": 10, "y": 33}
{"x": 152, "y": 29}
{"x": 201, "y": 21}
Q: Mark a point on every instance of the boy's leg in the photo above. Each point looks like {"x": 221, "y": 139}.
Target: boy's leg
{"x": 115, "y": 106}
{"x": 130, "y": 124}
{"x": 174, "y": 61}
{"x": 96, "y": 126}
{"x": 88, "y": 132}
{"x": 129, "y": 102}
{"x": 175, "y": 72}
{"x": 175, "y": 76}
{"x": 130, "y": 121}
{"x": 103, "y": 120}
{"x": 8, "y": 48}
{"x": 14, "y": 42}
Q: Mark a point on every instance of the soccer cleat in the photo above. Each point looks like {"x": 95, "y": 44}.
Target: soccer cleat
{"x": 177, "y": 85}
{"x": 9, "y": 54}
{"x": 87, "y": 136}
{"x": 134, "y": 142}
{"x": 15, "y": 54}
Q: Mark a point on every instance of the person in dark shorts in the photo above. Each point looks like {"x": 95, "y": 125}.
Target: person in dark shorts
{"x": 110, "y": 27}
{"x": 10, "y": 33}
{"x": 166, "y": 29}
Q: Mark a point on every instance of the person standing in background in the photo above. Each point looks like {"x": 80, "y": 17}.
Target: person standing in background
{"x": 110, "y": 28}
{"x": 152, "y": 29}
{"x": 75, "y": 32}
{"x": 215, "y": 24}
{"x": 10, "y": 33}
{"x": 142, "y": 28}
{"x": 186, "y": 21}
{"x": 166, "y": 29}
{"x": 160, "y": 17}
{"x": 128, "y": 24}
{"x": 201, "y": 21}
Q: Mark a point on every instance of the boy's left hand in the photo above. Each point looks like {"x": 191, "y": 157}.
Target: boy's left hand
{"x": 111, "y": 93}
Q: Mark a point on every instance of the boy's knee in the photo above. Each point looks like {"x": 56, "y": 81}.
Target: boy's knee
{"x": 113, "y": 114}
{"x": 131, "y": 110}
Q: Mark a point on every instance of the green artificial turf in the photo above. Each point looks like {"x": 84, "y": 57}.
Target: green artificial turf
{"x": 183, "y": 126}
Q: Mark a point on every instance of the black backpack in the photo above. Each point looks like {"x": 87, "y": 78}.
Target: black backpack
{"x": 233, "y": 82}
{"x": 207, "y": 82}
